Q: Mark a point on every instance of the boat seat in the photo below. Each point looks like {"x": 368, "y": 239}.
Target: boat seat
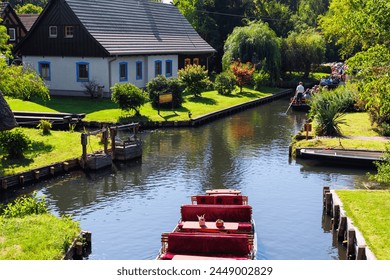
{"x": 220, "y": 199}
{"x": 238, "y": 245}
{"x": 228, "y": 213}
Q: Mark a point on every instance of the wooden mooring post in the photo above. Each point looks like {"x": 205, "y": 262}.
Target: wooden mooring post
{"x": 348, "y": 235}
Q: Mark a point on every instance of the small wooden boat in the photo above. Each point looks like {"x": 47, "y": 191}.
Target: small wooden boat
{"x": 356, "y": 158}
{"x": 217, "y": 225}
{"x": 302, "y": 107}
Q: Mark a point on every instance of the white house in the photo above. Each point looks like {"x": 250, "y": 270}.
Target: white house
{"x": 76, "y": 41}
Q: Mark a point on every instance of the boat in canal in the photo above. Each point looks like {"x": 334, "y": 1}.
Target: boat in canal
{"x": 353, "y": 158}
{"x": 216, "y": 225}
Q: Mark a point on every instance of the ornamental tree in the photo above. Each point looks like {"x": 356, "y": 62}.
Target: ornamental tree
{"x": 128, "y": 97}
{"x": 195, "y": 79}
{"x": 242, "y": 72}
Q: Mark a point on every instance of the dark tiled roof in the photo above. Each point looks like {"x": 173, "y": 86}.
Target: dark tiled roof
{"x": 28, "y": 20}
{"x": 125, "y": 27}
{"x": 3, "y": 5}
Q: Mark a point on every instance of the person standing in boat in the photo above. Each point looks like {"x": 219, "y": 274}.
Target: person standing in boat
{"x": 299, "y": 92}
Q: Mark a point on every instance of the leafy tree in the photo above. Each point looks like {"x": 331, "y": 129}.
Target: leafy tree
{"x": 255, "y": 43}
{"x": 225, "y": 83}
{"x": 128, "y": 97}
{"x": 195, "y": 79}
{"x": 40, "y": 3}
{"x": 371, "y": 69}
{"x": 28, "y": 9}
{"x": 22, "y": 83}
{"x": 357, "y": 25}
{"x": 214, "y": 20}
{"x": 277, "y": 14}
{"x": 242, "y": 72}
{"x": 5, "y": 48}
{"x": 301, "y": 50}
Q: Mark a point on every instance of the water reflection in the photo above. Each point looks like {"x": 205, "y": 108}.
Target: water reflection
{"x": 128, "y": 206}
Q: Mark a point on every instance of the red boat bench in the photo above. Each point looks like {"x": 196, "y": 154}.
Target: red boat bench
{"x": 237, "y": 246}
{"x": 228, "y": 213}
{"x": 224, "y": 199}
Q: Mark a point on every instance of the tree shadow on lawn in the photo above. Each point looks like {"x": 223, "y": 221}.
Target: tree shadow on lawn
{"x": 76, "y": 105}
{"x": 202, "y": 100}
{"x": 35, "y": 149}
{"x": 132, "y": 118}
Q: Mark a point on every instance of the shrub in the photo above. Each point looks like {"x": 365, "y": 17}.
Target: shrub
{"x": 195, "y": 79}
{"x": 383, "y": 174}
{"x": 14, "y": 143}
{"x": 161, "y": 85}
{"x": 26, "y": 205}
{"x": 45, "y": 126}
{"x": 128, "y": 97}
{"x": 225, "y": 83}
{"x": 23, "y": 83}
{"x": 261, "y": 78}
{"x": 242, "y": 72}
{"x": 91, "y": 88}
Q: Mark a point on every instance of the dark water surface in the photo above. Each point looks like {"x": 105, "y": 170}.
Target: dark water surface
{"x": 128, "y": 207}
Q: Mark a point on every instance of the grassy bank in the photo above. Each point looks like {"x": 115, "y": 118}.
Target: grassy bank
{"x": 36, "y": 237}
{"x": 104, "y": 110}
{"x": 357, "y": 131}
{"x": 47, "y": 149}
{"x": 370, "y": 212}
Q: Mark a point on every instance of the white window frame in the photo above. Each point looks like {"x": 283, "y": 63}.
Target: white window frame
{"x": 12, "y": 34}
{"x": 53, "y": 32}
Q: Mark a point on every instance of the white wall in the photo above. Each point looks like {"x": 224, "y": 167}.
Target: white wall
{"x": 63, "y": 73}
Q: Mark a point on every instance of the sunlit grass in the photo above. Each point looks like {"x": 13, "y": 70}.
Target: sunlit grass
{"x": 45, "y": 150}
{"x": 36, "y": 237}
{"x": 370, "y": 212}
{"x": 104, "y": 110}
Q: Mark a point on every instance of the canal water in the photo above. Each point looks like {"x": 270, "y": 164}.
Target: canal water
{"x": 127, "y": 207}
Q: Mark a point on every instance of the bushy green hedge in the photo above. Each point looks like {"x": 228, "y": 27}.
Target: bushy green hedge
{"x": 162, "y": 85}
{"x": 14, "y": 143}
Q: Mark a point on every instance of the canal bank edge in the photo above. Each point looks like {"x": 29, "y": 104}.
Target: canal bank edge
{"x": 347, "y": 233}
{"x": 193, "y": 122}
{"x": 35, "y": 175}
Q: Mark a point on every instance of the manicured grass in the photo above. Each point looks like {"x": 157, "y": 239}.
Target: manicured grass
{"x": 358, "y": 124}
{"x": 357, "y": 132}
{"x": 36, "y": 237}
{"x": 334, "y": 143}
{"x": 370, "y": 212}
{"x": 105, "y": 110}
{"x": 56, "y": 147}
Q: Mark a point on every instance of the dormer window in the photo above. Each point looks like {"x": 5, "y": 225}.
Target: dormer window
{"x": 12, "y": 34}
{"x": 69, "y": 31}
{"x": 53, "y": 31}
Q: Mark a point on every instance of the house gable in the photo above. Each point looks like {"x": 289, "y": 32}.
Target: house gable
{"x": 15, "y": 28}
{"x": 58, "y": 32}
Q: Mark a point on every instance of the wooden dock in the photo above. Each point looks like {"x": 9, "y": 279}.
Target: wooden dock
{"x": 347, "y": 233}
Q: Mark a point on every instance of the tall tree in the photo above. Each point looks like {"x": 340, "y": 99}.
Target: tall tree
{"x": 357, "y": 25}
{"x": 301, "y": 50}
{"x": 214, "y": 20}
{"x": 256, "y": 43}
{"x": 28, "y": 9}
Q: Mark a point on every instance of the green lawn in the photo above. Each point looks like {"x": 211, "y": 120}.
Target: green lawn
{"x": 370, "y": 212}
{"x": 36, "y": 237}
{"x": 105, "y": 110}
{"x": 357, "y": 132}
{"x": 56, "y": 147}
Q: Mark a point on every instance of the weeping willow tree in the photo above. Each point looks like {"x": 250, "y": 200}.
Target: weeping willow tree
{"x": 256, "y": 43}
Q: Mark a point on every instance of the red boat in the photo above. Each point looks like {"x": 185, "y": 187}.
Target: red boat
{"x": 217, "y": 225}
